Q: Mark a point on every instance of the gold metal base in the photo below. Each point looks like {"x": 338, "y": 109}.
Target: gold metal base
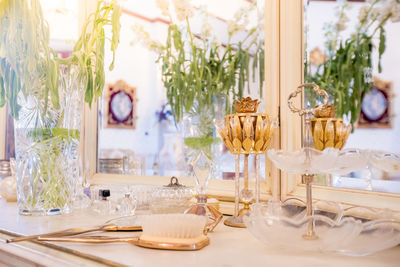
{"x": 195, "y": 245}
{"x": 310, "y": 237}
{"x": 202, "y": 208}
{"x": 234, "y": 222}
{"x": 238, "y": 221}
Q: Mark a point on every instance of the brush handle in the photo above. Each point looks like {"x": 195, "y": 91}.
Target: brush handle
{"x": 67, "y": 232}
{"x": 91, "y": 239}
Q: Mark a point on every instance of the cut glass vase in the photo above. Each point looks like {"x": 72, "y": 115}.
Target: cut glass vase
{"x": 47, "y": 146}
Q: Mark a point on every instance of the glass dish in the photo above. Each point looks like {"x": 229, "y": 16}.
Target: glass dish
{"x": 284, "y": 224}
{"x": 389, "y": 162}
{"x": 172, "y": 198}
{"x": 329, "y": 160}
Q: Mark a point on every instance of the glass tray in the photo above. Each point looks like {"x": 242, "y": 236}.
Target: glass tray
{"x": 329, "y": 160}
{"x": 284, "y": 224}
{"x": 334, "y": 161}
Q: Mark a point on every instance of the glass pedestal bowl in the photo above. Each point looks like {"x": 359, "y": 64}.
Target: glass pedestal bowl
{"x": 283, "y": 225}
{"x": 330, "y": 160}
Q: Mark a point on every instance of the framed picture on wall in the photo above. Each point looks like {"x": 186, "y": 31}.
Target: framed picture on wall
{"x": 121, "y": 106}
{"x": 376, "y": 106}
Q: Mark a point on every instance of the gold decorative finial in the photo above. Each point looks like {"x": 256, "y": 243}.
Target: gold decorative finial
{"x": 328, "y": 111}
{"x": 246, "y": 105}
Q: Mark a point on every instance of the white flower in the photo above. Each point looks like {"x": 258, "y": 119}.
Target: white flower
{"x": 183, "y": 9}
{"x": 215, "y": 42}
{"x": 363, "y": 13}
{"x": 390, "y": 9}
{"x": 144, "y": 37}
{"x": 375, "y": 13}
{"x": 240, "y": 19}
{"x": 206, "y": 29}
{"x": 234, "y": 27}
{"x": 164, "y": 6}
{"x": 341, "y": 24}
{"x": 395, "y": 10}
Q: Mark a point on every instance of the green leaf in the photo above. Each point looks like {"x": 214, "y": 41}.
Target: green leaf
{"x": 382, "y": 46}
{"x": 89, "y": 83}
{"x": 2, "y": 93}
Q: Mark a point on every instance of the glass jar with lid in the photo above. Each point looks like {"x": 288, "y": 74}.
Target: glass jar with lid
{"x": 171, "y": 198}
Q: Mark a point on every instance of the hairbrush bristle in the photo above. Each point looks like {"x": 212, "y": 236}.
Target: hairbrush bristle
{"x": 174, "y": 225}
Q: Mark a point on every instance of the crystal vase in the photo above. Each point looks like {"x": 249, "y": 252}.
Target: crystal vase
{"x": 47, "y": 146}
{"x": 199, "y": 132}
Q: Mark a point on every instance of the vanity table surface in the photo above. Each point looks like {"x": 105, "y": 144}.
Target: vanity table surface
{"x": 228, "y": 247}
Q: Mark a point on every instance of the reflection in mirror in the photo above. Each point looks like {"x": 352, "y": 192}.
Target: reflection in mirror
{"x": 351, "y": 51}
{"x": 62, "y": 15}
{"x": 185, "y": 74}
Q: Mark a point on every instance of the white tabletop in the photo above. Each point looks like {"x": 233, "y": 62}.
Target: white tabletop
{"x": 228, "y": 246}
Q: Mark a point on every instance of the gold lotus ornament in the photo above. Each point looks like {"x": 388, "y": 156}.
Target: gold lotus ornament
{"x": 246, "y": 132}
{"x": 328, "y": 111}
{"x": 246, "y": 105}
{"x": 328, "y": 131}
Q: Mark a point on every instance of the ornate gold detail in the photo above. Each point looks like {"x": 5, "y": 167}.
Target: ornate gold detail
{"x": 247, "y": 133}
{"x": 329, "y": 132}
{"x": 120, "y": 107}
{"x": 246, "y": 105}
{"x": 382, "y": 84}
{"x": 326, "y": 112}
{"x": 318, "y": 135}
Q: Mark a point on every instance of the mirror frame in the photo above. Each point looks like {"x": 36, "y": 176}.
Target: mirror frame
{"x": 291, "y": 75}
{"x": 3, "y": 124}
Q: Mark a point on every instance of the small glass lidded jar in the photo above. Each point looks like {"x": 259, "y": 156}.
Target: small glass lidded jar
{"x": 171, "y": 198}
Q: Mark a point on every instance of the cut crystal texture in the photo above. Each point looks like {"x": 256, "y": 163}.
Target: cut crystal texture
{"x": 47, "y": 146}
{"x": 202, "y": 167}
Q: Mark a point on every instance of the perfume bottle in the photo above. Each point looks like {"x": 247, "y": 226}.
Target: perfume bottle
{"x": 202, "y": 167}
{"x": 127, "y": 205}
{"x": 102, "y": 205}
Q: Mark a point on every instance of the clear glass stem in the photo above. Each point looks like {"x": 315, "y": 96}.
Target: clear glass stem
{"x": 246, "y": 171}
{"x": 368, "y": 179}
{"x": 308, "y": 142}
{"x": 310, "y": 234}
{"x": 257, "y": 170}
{"x": 237, "y": 177}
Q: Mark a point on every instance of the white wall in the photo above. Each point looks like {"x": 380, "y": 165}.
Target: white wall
{"x": 381, "y": 139}
{"x": 136, "y": 66}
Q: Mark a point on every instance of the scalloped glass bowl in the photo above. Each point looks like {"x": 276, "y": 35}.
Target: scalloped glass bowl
{"x": 389, "y": 162}
{"x": 284, "y": 224}
{"x": 329, "y": 160}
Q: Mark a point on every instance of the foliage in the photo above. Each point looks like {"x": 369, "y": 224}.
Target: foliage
{"x": 28, "y": 65}
{"x": 196, "y": 68}
{"x": 345, "y": 75}
{"x": 25, "y": 52}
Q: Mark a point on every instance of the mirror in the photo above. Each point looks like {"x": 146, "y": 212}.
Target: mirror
{"x": 351, "y": 51}
{"x": 138, "y": 133}
{"x": 63, "y": 18}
